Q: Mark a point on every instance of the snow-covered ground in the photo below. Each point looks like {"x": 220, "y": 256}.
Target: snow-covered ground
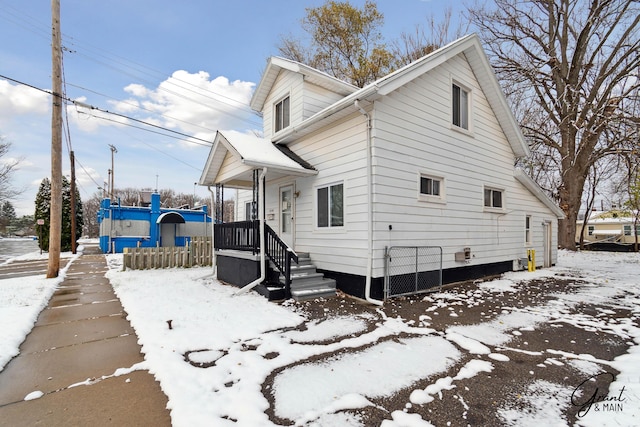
{"x": 232, "y": 359}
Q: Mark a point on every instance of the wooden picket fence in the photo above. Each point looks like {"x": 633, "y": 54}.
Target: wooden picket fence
{"x": 195, "y": 253}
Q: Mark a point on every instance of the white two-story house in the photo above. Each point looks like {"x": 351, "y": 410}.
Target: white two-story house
{"x": 352, "y": 180}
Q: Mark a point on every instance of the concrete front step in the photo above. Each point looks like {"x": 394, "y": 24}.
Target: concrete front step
{"x": 320, "y": 282}
{"x": 306, "y": 294}
{"x": 303, "y": 269}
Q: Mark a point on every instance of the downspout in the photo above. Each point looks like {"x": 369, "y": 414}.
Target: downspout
{"x": 263, "y": 267}
{"x": 367, "y": 284}
{"x": 213, "y": 224}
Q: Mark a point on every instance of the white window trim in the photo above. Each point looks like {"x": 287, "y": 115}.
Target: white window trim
{"x": 501, "y": 209}
{"x": 275, "y": 115}
{"x": 467, "y": 88}
{"x": 528, "y": 240}
{"x": 330, "y": 228}
{"x": 441, "y": 198}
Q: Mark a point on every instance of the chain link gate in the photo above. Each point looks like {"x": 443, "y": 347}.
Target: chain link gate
{"x": 412, "y": 269}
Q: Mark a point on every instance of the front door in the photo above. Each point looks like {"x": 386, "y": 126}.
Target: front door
{"x": 286, "y": 214}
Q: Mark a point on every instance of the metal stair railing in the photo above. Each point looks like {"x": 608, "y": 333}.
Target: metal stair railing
{"x": 280, "y": 254}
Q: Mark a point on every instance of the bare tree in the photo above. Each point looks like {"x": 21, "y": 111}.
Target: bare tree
{"x": 345, "y": 42}
{"x": 90, "y": 209}
{"x": 603, "y": 171}
{"x": 7, "y": 167}
{"x": 569, "y": 65}
{"x": 424, "y": 39}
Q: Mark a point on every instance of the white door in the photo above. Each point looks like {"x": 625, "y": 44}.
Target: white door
{"x": 287, "y": 209}
{"x": 547, "y": 244}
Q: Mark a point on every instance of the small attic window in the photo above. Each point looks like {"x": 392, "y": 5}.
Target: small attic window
{"x": 282, "y": 114}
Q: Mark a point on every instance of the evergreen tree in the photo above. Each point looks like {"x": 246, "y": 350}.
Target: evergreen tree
{"x": 7, "y": 214}
{"x": 43, "y": 209}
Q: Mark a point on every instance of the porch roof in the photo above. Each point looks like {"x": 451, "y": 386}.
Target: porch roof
{"x": 235, "y": 155}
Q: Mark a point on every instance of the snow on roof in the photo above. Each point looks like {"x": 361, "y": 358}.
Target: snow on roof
{"x": 258, "y": 151}
{"x": 616, "y": 232}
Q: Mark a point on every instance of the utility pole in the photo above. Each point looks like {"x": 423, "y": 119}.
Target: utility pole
{"x": 55, "y": 218}
{"x": 113, "y": 150}
{"x": 73, "y": 201}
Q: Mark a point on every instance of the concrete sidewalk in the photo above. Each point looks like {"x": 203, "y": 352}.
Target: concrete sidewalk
{"x": 82, "y": 337}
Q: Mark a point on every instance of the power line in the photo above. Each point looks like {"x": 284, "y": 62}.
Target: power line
{"x": 91, "y": 107}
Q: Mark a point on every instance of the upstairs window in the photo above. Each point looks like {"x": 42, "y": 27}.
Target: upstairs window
{"x": 331, "y": 206}
{"x": 492, "y": 198}
{"x": 282, "y": 114}
{"x": 460, "y": 106}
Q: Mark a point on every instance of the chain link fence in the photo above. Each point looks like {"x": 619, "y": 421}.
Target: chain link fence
{"x": 412, "y": 269}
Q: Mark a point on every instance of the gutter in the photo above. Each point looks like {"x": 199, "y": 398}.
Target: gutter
{"x": 367, "y": 285}
{"x": 213, "y": 244}
{"x": 365, "y": 92}
{"x": 263, "y": 267}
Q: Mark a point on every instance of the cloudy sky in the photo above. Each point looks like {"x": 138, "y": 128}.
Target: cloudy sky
{"x": 190, "y": 67}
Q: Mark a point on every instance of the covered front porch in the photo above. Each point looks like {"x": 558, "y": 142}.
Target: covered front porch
{"x": 250, "y": 253}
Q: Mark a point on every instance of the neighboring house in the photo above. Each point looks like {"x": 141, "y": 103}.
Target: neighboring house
{"x": 149, "y": 225}
{"x": 422, "y": 157}
{"x": 612, "y": 230}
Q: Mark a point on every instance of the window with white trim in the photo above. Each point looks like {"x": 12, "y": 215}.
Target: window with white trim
{"x": 330, "y": 205}
{"x": 627, "y": 230}
{"x": 430, "y": 188}
{"x": 590, "y": 230}
{"x": 493, "y": 198}
{"x": 459, "y": 106}
{"x": 249, "y": 211}
{"x": 282, "y": 114}
{"x": 527, "y": 229}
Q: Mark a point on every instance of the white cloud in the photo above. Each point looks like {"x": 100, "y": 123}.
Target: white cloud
{"x": 137, "y": 90}
{"x": 20, "y": 100}
{"x": 193, "y": 103}
{"x": 189, "y": 103}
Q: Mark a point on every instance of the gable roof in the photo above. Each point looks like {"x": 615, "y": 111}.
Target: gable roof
{"x": 535, "y": 189}
{"x": 252, "y": 151}
{"x": 469, "y": 46}
{"x": 276, "y": 64}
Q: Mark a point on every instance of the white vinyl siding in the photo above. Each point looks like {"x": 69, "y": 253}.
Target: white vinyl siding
{"x": 338, "y": 153}
{"x": 413, "y": 133}
{"x": 412, "y": 136}
{"x": 305, "y": 99}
